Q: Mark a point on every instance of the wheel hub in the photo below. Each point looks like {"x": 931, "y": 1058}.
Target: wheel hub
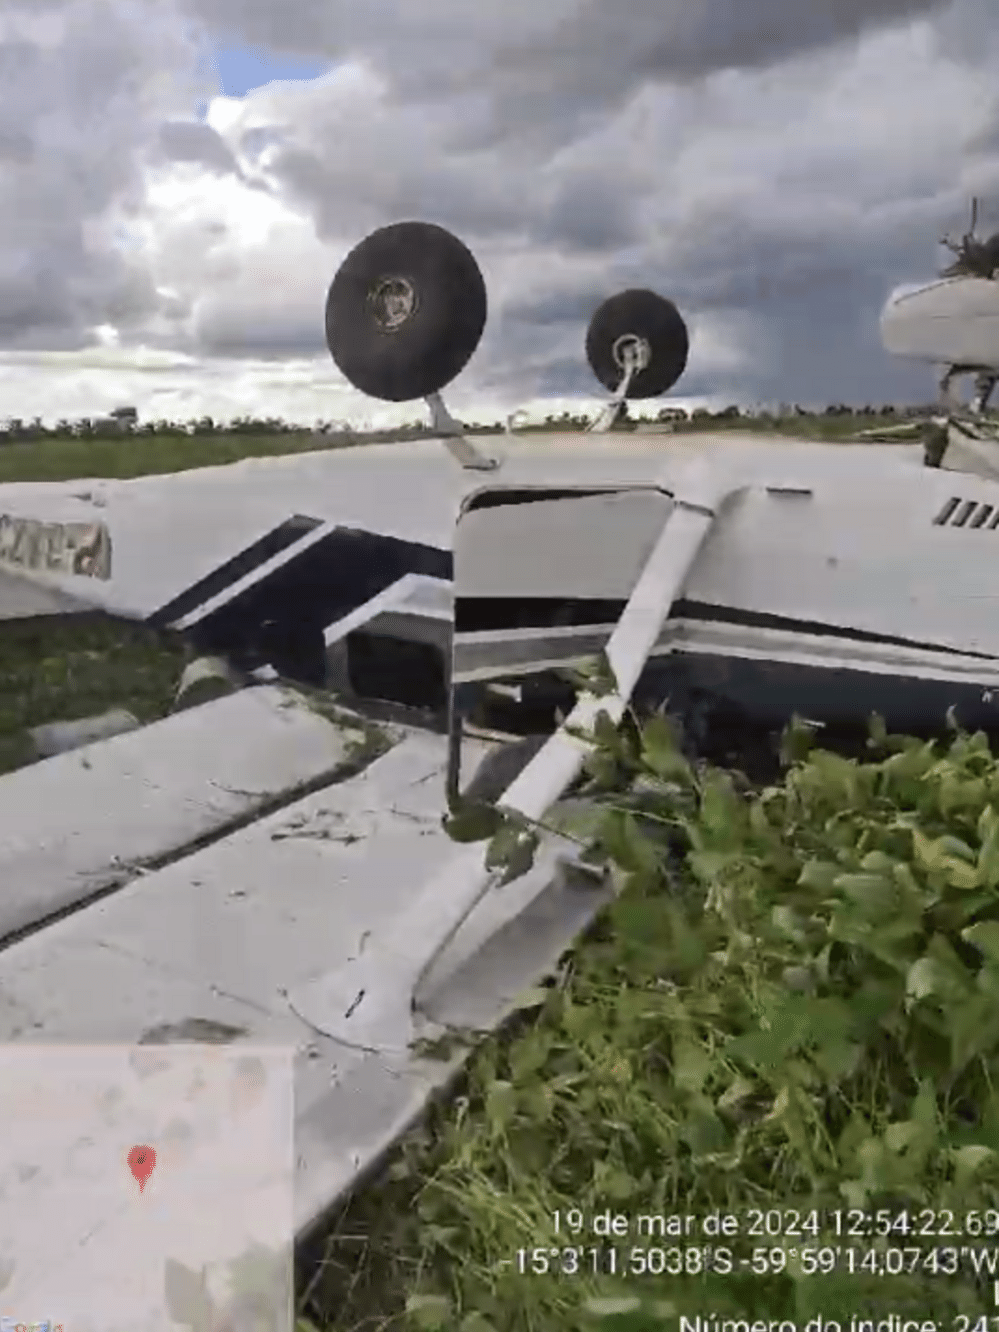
{"x": 631, "y": 351}
{"x": 392, "y": 301}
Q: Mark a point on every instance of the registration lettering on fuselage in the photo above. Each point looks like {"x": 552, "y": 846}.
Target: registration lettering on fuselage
{"x": 83, "y": 549}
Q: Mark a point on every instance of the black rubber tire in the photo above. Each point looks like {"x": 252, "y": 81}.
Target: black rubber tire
{"x": 430, "y": 345}
{"x": 645, "y": 315}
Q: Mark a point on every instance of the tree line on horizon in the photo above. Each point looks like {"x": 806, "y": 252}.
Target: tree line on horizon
{"x": 125, "y": 421}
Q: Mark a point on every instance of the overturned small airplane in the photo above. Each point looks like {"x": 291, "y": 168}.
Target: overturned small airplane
{"x": 272, "y": 866}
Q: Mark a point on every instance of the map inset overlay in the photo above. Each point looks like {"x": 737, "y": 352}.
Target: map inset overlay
{"x": 207, "y": 1244}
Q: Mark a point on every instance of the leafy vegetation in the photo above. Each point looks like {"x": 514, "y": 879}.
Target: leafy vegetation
{"x": 789, "y": 1016}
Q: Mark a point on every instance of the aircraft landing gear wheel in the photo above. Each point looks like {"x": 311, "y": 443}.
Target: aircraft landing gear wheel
{"x": 638, "y": 323}
{"x": 405, "y": 311}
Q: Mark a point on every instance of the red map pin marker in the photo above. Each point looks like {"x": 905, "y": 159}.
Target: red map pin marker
{"x": 142, "y": 1162}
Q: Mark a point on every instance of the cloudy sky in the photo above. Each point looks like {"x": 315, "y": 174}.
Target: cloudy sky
{"x": 179, "y": 180}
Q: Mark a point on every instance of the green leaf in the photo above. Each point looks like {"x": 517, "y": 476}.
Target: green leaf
{"x": 988, "y": 852}
{"x": 609, "y": 1306}
{"x": 595, "y": 676}
{"x": 961, "y": 875}
{"x": 476, "y": 1322}
{"x": 504, "y": 843}
{"x": 606, "y": 733}
{"x": 512, "y": 849}
{"x": 626, "y": 844}
{"x": 838, "y": 1059}
{"x": 601, "y": 678}
{"x": 790, "y": 923}
{"x": 797, "y": 741}
{"x": 946, "y": 855}
{"x": 575, "y": 818}
{"x": 922, "y": 978}
{"x": 819, "y": 875}
{"x": 660, "y": 752}
{"x": 876, "y": 862}
{"x": 972, "y": 1021}
{"x": 952, "y": 978}
{"x": 428, "y": 1312}
{"x": 985, "y": 937}
{"x": 988, "y": 823}
{"x": 867, "y": 887}
{"x": 738, "y": 1090}
{"x": 722, "y": 811}
{"x": 969, "y": 1160}
{"x": 956, "y": 847}
{"x": 959, "y": 793}
{"x": 534, "y": 997}
{"x": 501, "y": 1105}
{"x": 472, "y": 822}
{"x": 877, "y": 732}
{"x": 692, "y": 1064}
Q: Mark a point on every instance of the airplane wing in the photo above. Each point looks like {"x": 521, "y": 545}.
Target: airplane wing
{"x": 311, "y": 537}
{"x": 205, "y": 545}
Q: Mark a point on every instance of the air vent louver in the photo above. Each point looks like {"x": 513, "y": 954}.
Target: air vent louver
{"x": 958, "y": 512}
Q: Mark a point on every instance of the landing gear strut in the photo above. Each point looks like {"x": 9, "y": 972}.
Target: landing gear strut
{"x": 985, "y": 384}
{"x": 632, "y": 355}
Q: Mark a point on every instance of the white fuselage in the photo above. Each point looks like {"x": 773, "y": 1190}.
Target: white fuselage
{"x": 835, "y": 579}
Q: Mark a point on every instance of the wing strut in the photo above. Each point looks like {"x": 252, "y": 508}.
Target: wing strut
{"x": 370, "y": 1003}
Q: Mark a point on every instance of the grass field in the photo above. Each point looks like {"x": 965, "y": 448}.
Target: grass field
{"x": 79, "y": 666}
{"x": 68, "y": 458}
{"x": 614, "y": 1091}
{"x": 139, "y": 455}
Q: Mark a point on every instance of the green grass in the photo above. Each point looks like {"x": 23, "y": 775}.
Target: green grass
{"x": 79, "y": 666}
{"x": 62, "y": 459}
{"x": 141, "y": 455}
{"x": 828, "y": 429}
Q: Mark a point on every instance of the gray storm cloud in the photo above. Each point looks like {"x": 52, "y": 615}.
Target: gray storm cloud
{"x": 516, "y": 126}
{"x": 555, "y": 61}
{"x": 776, "y": 167}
